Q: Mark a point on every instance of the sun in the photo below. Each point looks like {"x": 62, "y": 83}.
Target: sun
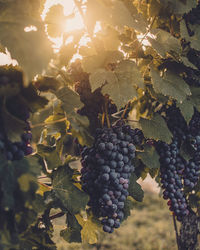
{"x": 74, "y": 23}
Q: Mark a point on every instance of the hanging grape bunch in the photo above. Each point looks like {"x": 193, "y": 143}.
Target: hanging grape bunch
{"x": 18, "y": 149}
{"x": 176, "y": 172}
{"x": 107, "y": 167}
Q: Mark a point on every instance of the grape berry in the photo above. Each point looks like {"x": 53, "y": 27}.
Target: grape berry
{"x": 16, "y": 150}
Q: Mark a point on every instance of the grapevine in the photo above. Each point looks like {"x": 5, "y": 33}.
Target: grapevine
{"x": 85, "y": 120}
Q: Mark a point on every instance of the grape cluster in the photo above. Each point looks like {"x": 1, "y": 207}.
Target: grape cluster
{"x": 16, "y": 150}
{"x": 192, "y": 167}
{"x": 106, "y": 169}
{"x": 170, "y": 168}
{"x": 176, "y": 123}
{"x": 176, "y": 172}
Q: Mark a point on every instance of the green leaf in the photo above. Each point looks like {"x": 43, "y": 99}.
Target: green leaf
{"x": 71, "y": 235}
{"x": 50, "y": 155}
{"x": 72, "y": 198}
{"x": 178, "y": 6}
{"x": 187, "y": 63}
{"x": 91, "y": 63}
{"x": 135, "y": 189}
{"x": 18, "y": 203}
{"x": 149, "y": 157}
{"x": 121, "y": 16}
{"x": 127, "y": 70}
{"x": 73, "y": 231}
{"x": 123, "y": 88}
{"x": 195, "y": 98}
{"x": 187, "y": 109}
{"x": 128, "y": 206}
{"x": 195, "y": 39}
{"x": 165, "y": 43}
{"x": 47, "y": 83}
{"x": 156, "y": 128}
{"x": 80, "y": 129}
{"x": 100, "y": 77}
{"x": 55, "y": 20}
{"x": 69, "y": 98}
{"x": 95, "y": 11}
{"x": 170, "y": 85}
{"x": 33, "y": 100}
{"x": 110, "y": 38}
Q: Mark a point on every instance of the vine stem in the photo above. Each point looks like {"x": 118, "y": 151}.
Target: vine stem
{"x": 176, "y": 231}
{"x": 55, "y": 216}
{"x": 106, "y": 113}
{"x": 47, "y": 123}
{"x": 123, "y": 114}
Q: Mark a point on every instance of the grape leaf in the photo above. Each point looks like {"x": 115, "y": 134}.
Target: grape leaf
{"x": 73, "y": 231}
{"x": 156, "y": 128}
{"x": 33, "y": 100}
{"x": 90, "y": 228}
{"x": 50, "y": 155}
{"x": 187, "y": 109}
{"x": 72, "y": 198}
{"x": 69, "y": 98}
{"x": 149, "y": 157}
{"x": 47, "y": 83}
{"x": 178, "y": 6}
{"x": 94, "y": 62}
{"x": 123, "y": 88}
{"x": 128, "y": 206}
{"x": 55, "y": 20}
{"x": 195, "y": 39}
{"x": 195, "y": 98}
{"x": 164, "y": 43}
{"x": 110, "y": 38}
{"x": 95, "y": 11}
{"x": 80, "y": 129}
{"x": 170, "y": 85}
{"x": 135, "y": 189}
{"x": 186, "y": 62}
{"x": 120, "y": 16}
{"x": 100, "y": 77}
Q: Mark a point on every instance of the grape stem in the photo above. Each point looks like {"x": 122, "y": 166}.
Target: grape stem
{"x": 123, "y": 114}
{"x": 176, "y": 231}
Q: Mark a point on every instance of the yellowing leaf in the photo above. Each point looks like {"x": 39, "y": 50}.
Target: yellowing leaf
{"x": 89, "y": 230}
{"x": 42, "y": 189}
